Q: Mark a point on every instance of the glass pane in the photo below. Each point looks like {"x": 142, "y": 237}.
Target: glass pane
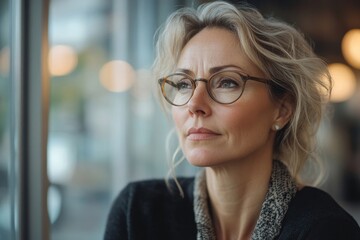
{"x": 6, "y": 164}
{"x": 106, "y": 128}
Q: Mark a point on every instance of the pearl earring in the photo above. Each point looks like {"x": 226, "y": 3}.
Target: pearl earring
{"x": 276, "y": 127}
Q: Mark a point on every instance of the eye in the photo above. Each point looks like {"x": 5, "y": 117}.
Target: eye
{"x": 227, "y": 83}
{"x": 183, "y": 84}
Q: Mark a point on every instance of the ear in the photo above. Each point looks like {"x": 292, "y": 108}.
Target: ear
{"x": 284, "y": 112}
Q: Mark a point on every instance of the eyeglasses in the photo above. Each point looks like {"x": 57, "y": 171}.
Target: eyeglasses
{"x": 224, "y": 87}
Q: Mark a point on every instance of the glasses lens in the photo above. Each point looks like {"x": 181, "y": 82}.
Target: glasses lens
{"x": 226, "y": 87}
{"x": 177, "y": 89}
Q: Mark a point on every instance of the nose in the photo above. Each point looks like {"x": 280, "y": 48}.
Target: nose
{"x": 199, "y": 104}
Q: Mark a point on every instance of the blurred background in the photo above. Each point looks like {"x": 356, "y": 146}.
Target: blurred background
{"x": 105, "y": 126}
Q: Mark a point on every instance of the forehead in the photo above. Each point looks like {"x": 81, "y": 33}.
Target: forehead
{"x": 213, "y": 47}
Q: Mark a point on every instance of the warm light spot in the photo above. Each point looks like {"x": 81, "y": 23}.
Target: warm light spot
{"x": 4, "y": 61}
{"x": 62, "y": 60}
{"x": 344, "y": 82}
{"x": 351, "y": 47}
{"x": 117, "y": 76}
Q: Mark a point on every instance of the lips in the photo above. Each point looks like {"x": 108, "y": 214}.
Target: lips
{"x": 197, "y": 134}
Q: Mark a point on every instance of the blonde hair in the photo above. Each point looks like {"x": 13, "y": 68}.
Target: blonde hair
{"x": 281, "y": 53}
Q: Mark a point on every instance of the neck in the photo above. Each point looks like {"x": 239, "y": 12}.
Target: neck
{"x": 236, "y": 194}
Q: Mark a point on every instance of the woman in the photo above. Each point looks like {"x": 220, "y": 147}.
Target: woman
{"x": 246, "y": 95}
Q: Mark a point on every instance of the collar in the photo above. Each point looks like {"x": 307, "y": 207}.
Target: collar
{"x": 282, "y": 188}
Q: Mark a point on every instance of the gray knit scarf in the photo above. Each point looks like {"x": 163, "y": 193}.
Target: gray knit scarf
{"x": 282, "y": 189}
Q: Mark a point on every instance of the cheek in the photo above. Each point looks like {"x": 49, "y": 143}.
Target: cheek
{"x": 249, "y": 122}
{"x": 179, "y": 121}
{"x": 176, "y": 116}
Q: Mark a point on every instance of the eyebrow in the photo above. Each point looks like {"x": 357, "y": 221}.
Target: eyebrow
{"x": 211, "y": 70}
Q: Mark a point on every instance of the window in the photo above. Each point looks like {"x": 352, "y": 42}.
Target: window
{"x": 7, "y": 173}
{"x": 105, "y": 126}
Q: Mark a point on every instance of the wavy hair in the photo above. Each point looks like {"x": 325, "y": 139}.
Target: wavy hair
{"x": 281, "y": 53}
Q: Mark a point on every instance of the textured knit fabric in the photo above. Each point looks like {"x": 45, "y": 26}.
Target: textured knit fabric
{"x": 148, "y": 210}
{"x": 282, "y": 189}
{"x": 204, "y": 225}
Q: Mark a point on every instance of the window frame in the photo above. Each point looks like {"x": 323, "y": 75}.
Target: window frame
{"x": 29, "y": 118}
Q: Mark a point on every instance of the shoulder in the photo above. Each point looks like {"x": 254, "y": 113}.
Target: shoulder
{"x": 143, "y": 208}
{"x": 314, "y": 214}
{"x": 158, "y": 189}
{"x": 314, "y": 199}
{"x": 315, "y": 203}
{"x": 150, "y": 195}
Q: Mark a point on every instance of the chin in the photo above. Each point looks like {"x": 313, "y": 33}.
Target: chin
{"x": 198, "y": 163}
{"x": 203, "y": 160}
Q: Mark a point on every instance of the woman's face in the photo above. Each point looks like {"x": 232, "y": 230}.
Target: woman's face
{"x": 211, "y": 133}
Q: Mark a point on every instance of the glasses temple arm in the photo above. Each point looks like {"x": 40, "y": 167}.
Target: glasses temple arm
{"x": 164, "y": 80}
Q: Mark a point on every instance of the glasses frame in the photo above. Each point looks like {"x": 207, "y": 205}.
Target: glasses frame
{"x": 244, "y": 77}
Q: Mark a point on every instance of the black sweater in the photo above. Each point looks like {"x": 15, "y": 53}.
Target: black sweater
{"x": 148, "y": 210}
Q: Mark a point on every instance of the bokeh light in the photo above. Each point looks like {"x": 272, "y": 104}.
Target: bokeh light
{"x": 62, "y": 60}
{"x": 117, "y": 76}
{"x": 351, "y": 47}
{"x": 344, "y": 82}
